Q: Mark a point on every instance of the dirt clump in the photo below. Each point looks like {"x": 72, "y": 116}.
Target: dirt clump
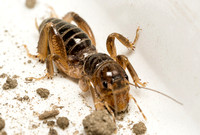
{"x": 139, "y": 128}
{"x": 34, "y": 126}
{"x": 50, "y": 123}
{"x": 44, "y": 93}
{"x": 62, "y": 122}
{"x": 25, "y": 98}
{"x": 99, "y": 123}
{"x": 30, "y": 3}
{"x": 3, "y": 75}
{"x": 10, "y": 84}
{"x": 3, "y": 133}
{"x": 29, "y": 61}
{"x": 2, "y": 123}
{"x": 48, "y": 114}
{"x": 52, "y": 132}
{"x": 15, "y": 76}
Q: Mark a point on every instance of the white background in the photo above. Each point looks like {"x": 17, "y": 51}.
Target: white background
{"x": 166, "y": 56}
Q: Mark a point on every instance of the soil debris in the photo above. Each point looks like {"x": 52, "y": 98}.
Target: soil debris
{"x": 3, "y": 75}
{"x": 30, "y": 3}
{"x": 2, "y": 123}
{"x": 76, "y": 132}
{"x": 56, "y": 106}
{"x": 50, "y": 123}
{"x": 29, "y": 61}
{"x": 44, "y": 93}
{"x": 3, "y": 133}
{"x": 25, "y": 98}
{"x": 52, "y": 132}
{"x": 62, "y": 122}
{"x": 15, "y": 76}
{"x": 99, "y": 123}
{"x": 139, "y": 128}
{"x": 34, "y": 126}
{"x": 10, "y": 84}
{"x": 48, "y": 114}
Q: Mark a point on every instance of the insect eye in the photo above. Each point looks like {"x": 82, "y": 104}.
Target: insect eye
{"x": 126, "y": 77}
{"x": 105, "y": 84}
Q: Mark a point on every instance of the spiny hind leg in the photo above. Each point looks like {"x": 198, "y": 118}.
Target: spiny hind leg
{"x": 59, "y": 57}
{"x": 42, "y": 44}
{"x": 110, "y": 43}
{"x": 72, "y": 16}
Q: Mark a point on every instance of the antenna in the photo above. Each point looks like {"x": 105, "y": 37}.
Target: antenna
{"x": 159, "y": 93}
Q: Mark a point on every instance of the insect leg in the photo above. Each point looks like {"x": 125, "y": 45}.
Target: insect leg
{"x": 130, "y": 96}
{"x": 110, "y": 110}
{"x": 72, "y": 16}
{"x": 49, "y": 66}
{"x": 60, "y": 57}
{"x": 110, "y": 43}
{"x": 53, "y": 13}
{"x": 61, "y": 62}
{"x": 84, "y": 84}
{"x": 42, "y": 44}
{"x": 125, "y": 63}
{"x": 98, "y": 102}
{"x": 121, "y": 59}
{"x": 48, "y": 38}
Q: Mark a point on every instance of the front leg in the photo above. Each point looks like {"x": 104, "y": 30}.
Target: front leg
{"x": 110, "y": 43}
{"x": 125, "y": 63}
{"x": 85, "y": 84}
{"x": 122, "y": 59}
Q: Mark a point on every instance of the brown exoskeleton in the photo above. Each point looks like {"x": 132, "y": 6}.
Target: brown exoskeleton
{"x": 72, "y": 49}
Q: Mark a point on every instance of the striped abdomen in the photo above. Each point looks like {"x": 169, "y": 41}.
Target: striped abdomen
{"x": 75, "y": 40}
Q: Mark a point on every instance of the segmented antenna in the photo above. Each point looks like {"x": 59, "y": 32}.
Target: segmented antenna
{"x": 159, "y": 93}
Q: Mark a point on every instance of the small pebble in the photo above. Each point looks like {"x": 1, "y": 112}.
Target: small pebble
{"x": 48, "y": 114}
{"x": 52, "y": 132}
{"x": 62, "y": 122}
{"x": 2, "y": 123}
{"x": 10, "y": 84}
{"x": 139, "y": 128}
{"x": 50, "y": 123}
{"x": 30, "y": 3}
{"x": 44, "y": 93}
{"x": 99, "y": 123}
